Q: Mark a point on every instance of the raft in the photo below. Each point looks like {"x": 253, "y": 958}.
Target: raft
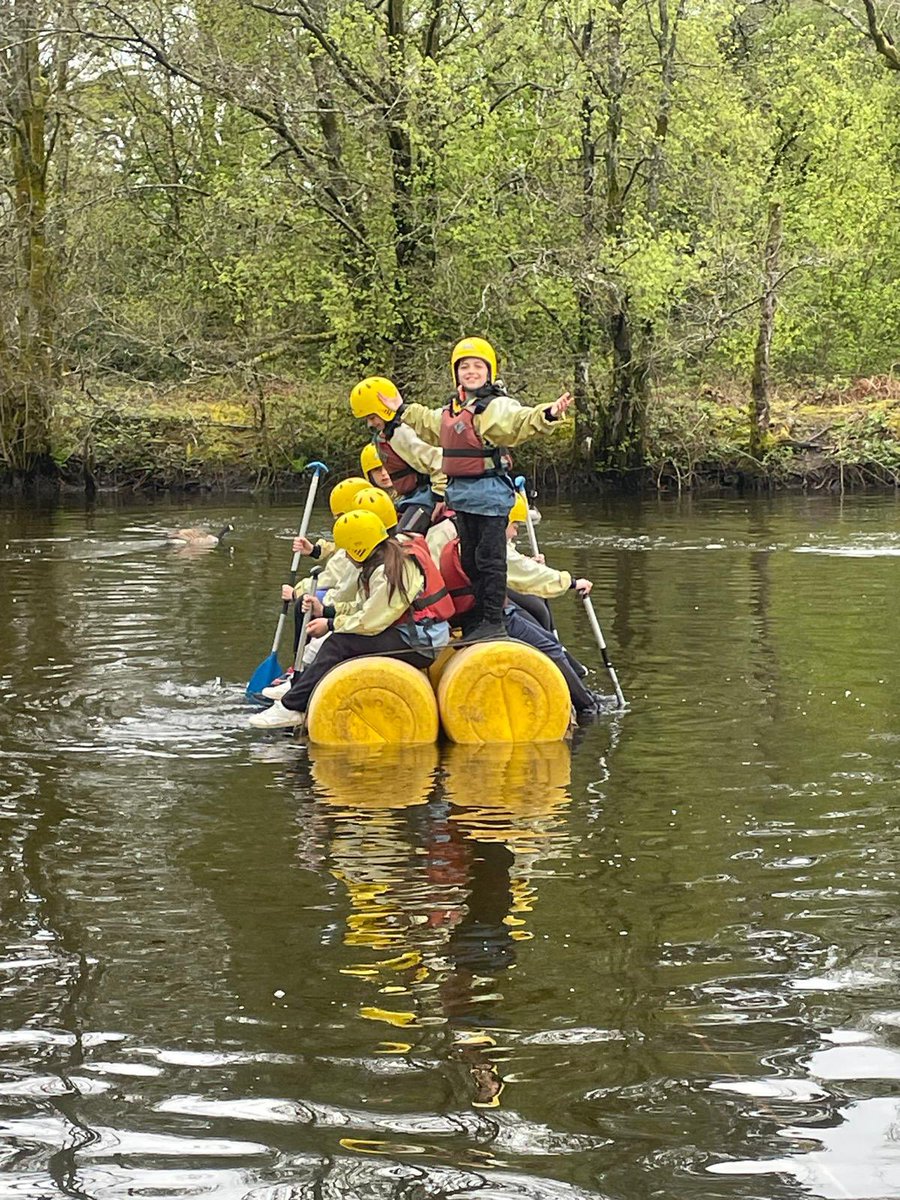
{"x": 489, "y": 692}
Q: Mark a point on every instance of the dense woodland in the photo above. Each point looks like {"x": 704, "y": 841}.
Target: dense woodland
{"x": 630, "y": 197}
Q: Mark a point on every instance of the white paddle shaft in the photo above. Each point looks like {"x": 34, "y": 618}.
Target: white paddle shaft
{"x": 295, "y": 561}
{"x": 598, "y": 634}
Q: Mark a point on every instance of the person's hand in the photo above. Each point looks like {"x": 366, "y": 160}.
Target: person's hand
{"x": 391, "y": 402}
{"x": 559, "y": 407}
{"x": 312, "y": 604}
{"x": 317, "y": 628}
{"x": 302, "y": 545}
{"x": 583, "y": 587}
{"x": 287, "y": 592}
{"x": 539, "y": 558}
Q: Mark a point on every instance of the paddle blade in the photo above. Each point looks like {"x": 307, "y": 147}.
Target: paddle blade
{"x": 267, "y": 671}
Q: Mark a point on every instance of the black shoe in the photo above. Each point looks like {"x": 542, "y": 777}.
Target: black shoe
{"x": 486, "y": 631}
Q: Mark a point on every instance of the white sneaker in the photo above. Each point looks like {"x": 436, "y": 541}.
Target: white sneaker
{"x": 277, "y": 717}
{"x": 276, "y": 690}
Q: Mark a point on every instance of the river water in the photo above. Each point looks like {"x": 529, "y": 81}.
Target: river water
{"x": 662, "y": 963}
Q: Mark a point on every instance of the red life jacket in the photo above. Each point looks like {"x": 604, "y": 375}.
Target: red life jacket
{"x": 459, "y": 585}
{"x": 404, "y": 478}
{"x": 465, "y": 452}
{"x": 434, "y": 600}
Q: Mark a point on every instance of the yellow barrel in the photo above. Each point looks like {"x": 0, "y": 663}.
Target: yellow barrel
{"x": 443, "y": 659}
{"x": 503, "y": 692}
{"x": 370, "y": 702}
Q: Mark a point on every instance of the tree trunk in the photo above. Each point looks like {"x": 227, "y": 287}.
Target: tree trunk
{"x": 26, "y": 350}
{"x": 584, "y": 393}
{"x": 665, "y": 35}
{"x": 358, "y": 269}
{"x": 620, "y": 433}
{"x": 622, "y": 428}
{"x": 760, "y": 383}
{"x": 406, "y": 243}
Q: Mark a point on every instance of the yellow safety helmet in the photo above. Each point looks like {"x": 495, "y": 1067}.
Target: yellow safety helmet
{"x": 359, "y": 532}
{"x": 369, "y": 459}
{"x": 365, "y": 402}
{"x": 474, "y": 347}
{"x": 373, "y": 499}
{"x": 341, "y": 498}
{"x": 519, "y": 510}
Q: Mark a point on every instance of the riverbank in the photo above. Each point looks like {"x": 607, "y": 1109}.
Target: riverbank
{"x": 215, "y": 437}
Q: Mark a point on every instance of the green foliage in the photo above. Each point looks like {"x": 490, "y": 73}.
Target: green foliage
{"x": 867, "y": 440}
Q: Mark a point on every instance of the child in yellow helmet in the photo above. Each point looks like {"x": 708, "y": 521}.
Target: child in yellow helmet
{"x": 373, "y": 468}
{"x": 395, "y": 596}
{"x": 414, "y": 466}
{"x": 532, "y": 578}
{"x": 336, "y": 581}
{"x": 472, "y": 429}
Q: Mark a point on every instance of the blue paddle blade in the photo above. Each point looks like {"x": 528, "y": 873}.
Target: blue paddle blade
{"x": 267, "y": 671}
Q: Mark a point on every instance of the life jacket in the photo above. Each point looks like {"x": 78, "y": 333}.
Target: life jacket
{"x": 465, "y": 452}
{"x": 404, "y": 478}
{"x": 459, "y": 585}
{"x": 434, "y": 601}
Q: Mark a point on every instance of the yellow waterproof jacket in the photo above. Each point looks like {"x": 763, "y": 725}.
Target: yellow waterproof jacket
{"x": 523, "y": 574}
{"x": 505, "y": 422}
{"x": 421, "y": 456}
{"x": 339, "y": 568}
{"x": 377, "y": 611}
{"x": 437, "y": 538}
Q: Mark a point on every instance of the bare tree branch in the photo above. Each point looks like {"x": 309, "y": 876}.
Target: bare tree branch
{"x": 871, "y": 29}
{"x": 351, "y": 72}
{"x": 323, "y": 196}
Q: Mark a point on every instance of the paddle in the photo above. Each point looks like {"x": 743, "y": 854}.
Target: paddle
{"x": 588, "y": 607}
{"x": 598, "y": 634}
{"x": 301, "y": 644}
{"x": 532, "y": 536}
{"x": 269, "y": 668}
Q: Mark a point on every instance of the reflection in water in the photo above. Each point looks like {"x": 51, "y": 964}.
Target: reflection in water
{"x": 859, "y": 1156}
{"x": 441, "y": 888}
{"x": 505, "y": 805}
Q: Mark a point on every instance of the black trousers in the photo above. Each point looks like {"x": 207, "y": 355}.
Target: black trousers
{"x": 524, "y": 628}
{"x": 337, "y": 649}
{"x": 482, "y": 554}
{"x": 537, "y": 609}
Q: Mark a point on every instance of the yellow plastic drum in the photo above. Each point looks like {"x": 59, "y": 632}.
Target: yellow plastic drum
{"x": 371, "y": 702}
{"x": 443, "y": 660}
{"x": 503, "y": 692}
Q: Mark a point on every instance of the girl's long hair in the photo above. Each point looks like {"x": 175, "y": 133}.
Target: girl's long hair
{"x": 391, "y": 556}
